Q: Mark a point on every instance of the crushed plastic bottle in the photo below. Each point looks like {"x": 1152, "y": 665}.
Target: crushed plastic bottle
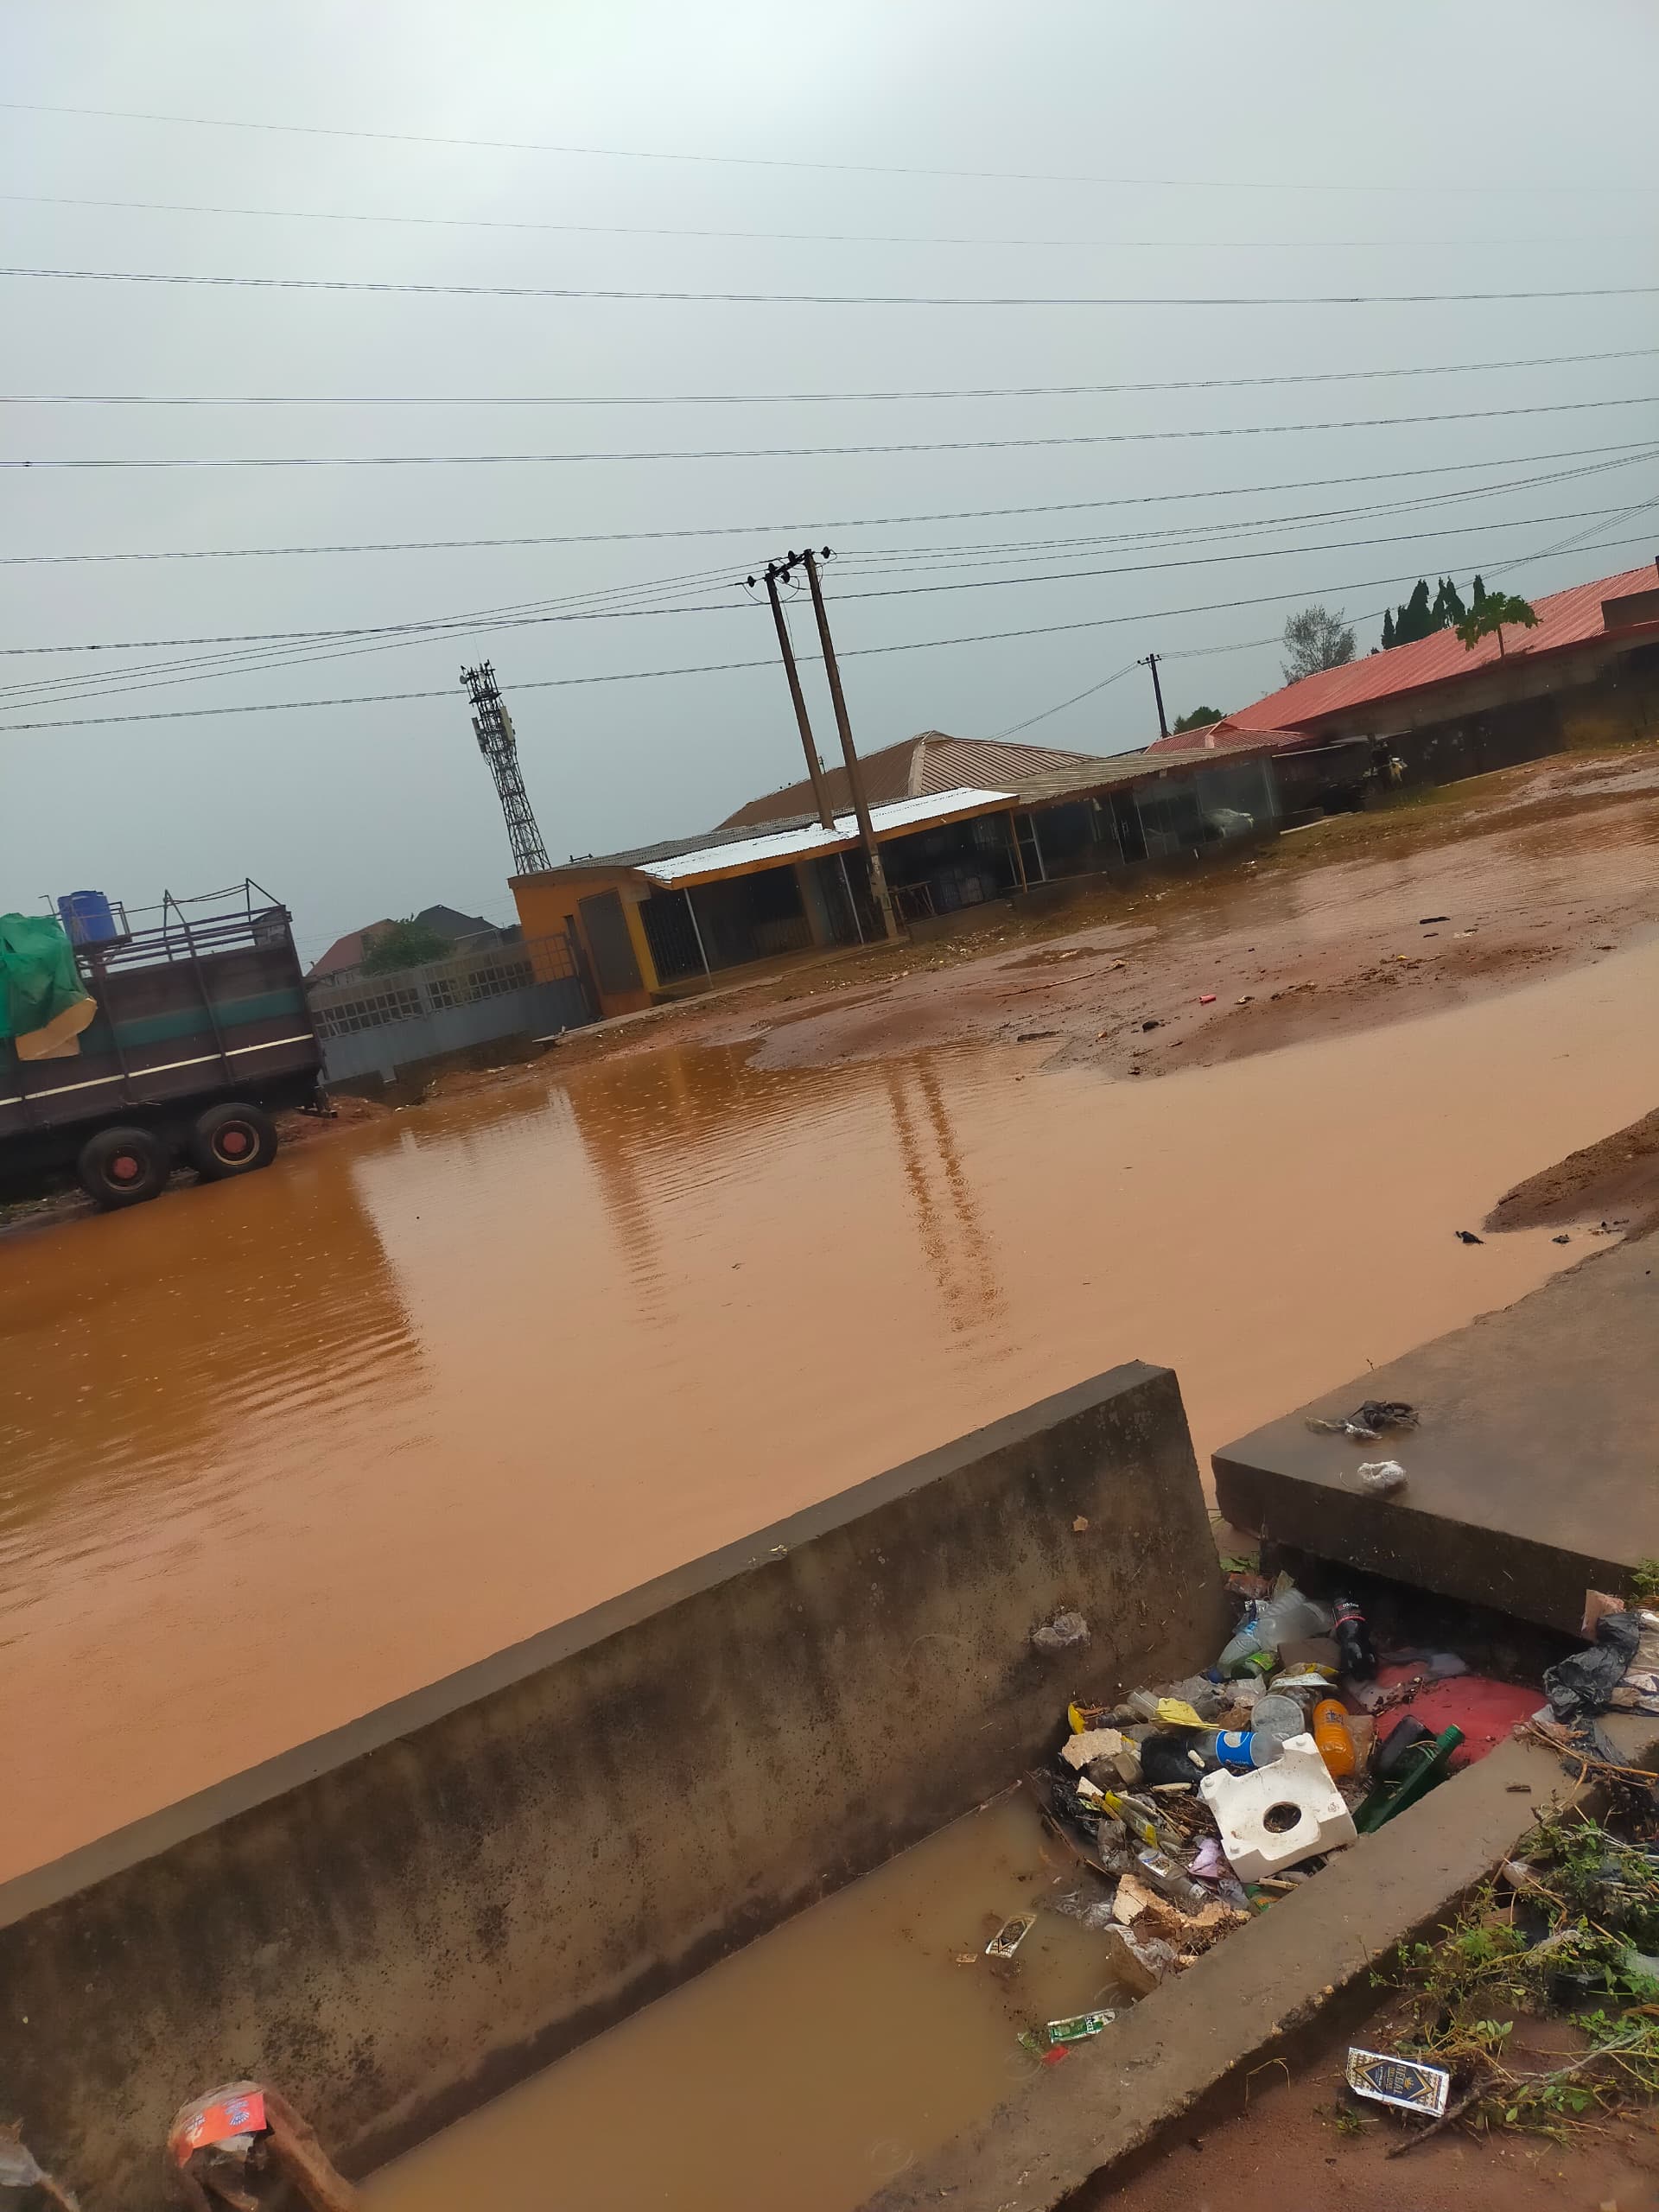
{"x": 1287, "y": 1617}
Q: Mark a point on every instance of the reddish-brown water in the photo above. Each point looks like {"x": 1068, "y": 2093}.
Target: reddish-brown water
{"x": 274, "y": 1452}
{"x": 807, "y": 2070}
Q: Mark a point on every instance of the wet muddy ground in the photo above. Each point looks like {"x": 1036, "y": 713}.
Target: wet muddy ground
{"x": 1302, "y": 2142}
{"x": 1353, "y": 921}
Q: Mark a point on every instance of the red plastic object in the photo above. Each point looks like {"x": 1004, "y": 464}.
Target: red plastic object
{"x": 1485, "y": 1710}
{"x": 1206, "y": 998}
{"x": 243, "y": 2115}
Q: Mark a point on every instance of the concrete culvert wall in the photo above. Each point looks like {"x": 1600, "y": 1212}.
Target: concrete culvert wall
{"x": 394, "y": 1922}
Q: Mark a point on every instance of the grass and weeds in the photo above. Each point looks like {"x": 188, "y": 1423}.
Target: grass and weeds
{"x": 1542, "y": 1999}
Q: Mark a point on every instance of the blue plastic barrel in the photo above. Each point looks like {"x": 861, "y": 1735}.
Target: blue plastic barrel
{"x": 87, "y": 917}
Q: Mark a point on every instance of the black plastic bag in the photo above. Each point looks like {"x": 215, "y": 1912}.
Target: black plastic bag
{"x": 1586, "y": 1682}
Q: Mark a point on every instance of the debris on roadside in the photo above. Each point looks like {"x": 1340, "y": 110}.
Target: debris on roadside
{"x": 1380, "y": 1476}
{"x": 1010, "y": 1935}
{"x": 20, "y": 2169}
{"x": 1061, "y": 1633}
{"x": 1189, "y": 1808}
{"x": 1467, "y": 1236}
{"x": 1367, "y": 1422}
{"x": 1405, "y": 2083}
{"x": 248, "y": 2130}
{"x": 1619, "y": 1671}
{"x": 1538, "y": 2008}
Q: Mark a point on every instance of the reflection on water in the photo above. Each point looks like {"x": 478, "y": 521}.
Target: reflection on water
{"x": 272, "y": 1451}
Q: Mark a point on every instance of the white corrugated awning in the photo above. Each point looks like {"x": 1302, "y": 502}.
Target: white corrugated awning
{"x": 767, "y": 848}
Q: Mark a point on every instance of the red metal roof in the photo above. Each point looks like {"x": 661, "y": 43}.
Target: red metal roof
{"x": 1566, "y": 619}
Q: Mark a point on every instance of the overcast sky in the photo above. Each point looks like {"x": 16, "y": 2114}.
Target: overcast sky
{"x": 1173, "y": 150}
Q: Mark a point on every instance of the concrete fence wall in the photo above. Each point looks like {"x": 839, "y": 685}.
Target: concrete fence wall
{"x": 385, "y": 1025}
{"x": 399, "y": 1920}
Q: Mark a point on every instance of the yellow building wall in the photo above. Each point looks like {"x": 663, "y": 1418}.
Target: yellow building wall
{"x": 548, "y": 904}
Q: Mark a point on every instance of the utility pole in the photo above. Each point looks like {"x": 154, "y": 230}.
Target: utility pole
{"x": 1151, "y": 662}
{"x": 492, "y": 725}
{"x": 855, "y": 778}
{"x": 814, "y": 765}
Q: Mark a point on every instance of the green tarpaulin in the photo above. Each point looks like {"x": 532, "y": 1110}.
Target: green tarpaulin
{"x": 38, "y": 976}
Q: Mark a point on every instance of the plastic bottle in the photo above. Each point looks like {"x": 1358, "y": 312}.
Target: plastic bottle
{"x": 1284, "y": 1617}
{"x": 1355, "y": 1651}
{"x": 1241, "y": 1651}
{"x": 1274, "y": 1720}
{"x": 1330, "y": 1730}
{"x": 1289, "y": 1615}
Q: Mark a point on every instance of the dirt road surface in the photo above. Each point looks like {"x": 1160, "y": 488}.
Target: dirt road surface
{"x": 1354, "y": 921}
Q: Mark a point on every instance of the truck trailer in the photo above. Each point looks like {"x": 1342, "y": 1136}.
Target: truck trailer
{"x": 201, "y": 1031}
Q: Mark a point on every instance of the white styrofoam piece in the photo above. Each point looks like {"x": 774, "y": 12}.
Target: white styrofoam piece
{"x": 1298, "y": 1778}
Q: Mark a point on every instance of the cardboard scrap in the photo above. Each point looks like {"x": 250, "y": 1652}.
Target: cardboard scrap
{"x": 1079, "y": 1751}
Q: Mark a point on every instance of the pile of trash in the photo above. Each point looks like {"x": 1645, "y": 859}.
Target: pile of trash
{"x": 1194, "y": 1806}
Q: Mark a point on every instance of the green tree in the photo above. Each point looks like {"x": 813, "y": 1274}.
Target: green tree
{"x": 1389, "y": 638}
{"x": 1415, "y": 619}
{"x": 406, "y": 944}
{"x": 1315, "y": 639}
{"x": 1199, "y": 718}
{"x": 1449, "y": 609}
{"x": 1492, "y": 610}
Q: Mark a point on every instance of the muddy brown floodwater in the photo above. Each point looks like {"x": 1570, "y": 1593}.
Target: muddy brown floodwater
{"x": 276, "y": 1450}
{"x": 808, "y": 2070}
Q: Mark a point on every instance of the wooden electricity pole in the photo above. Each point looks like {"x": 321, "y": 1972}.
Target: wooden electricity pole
{"x": 855, "y": 778}
{"x": 1151, "y": 662}
{"x": 814, "y": 765}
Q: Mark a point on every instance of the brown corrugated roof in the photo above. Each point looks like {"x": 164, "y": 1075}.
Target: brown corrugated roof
{"x": 915, "y": 768}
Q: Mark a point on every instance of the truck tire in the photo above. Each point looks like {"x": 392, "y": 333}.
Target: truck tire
{"x": 230, "y": 1139}
{"x": 123, "y": 1167}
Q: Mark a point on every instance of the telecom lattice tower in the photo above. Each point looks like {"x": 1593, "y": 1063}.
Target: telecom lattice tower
{"x": 493, "y": 727}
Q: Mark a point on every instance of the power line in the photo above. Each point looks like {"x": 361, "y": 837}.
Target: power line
{"x": 716, "y": 668}
{"x": 816, "y": 453}
{"x": 1322, "y": 185}
{"x": 288, "y": 650}
{"x": 795, "y": 398}
{"x": 1626, "y": 453}
{"x": 1415, "y": 246}
{"x": 529, "y": 611}
{"x": 1076, "y": 698}
{"x": 224, "y": 281}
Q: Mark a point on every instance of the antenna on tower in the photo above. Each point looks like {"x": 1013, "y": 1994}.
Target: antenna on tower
{"x": 493, "y": 727}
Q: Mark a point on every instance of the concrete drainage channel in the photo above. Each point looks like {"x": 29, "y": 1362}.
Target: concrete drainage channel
{"x": 1274, "y": 1988}
{"x": 396, "y": 1922}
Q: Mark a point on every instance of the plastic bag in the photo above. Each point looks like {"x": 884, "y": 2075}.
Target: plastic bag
{"x": 1061, "y": 1633}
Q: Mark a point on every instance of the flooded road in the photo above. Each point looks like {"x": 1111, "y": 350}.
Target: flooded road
{"x": 275, "y": 1452}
